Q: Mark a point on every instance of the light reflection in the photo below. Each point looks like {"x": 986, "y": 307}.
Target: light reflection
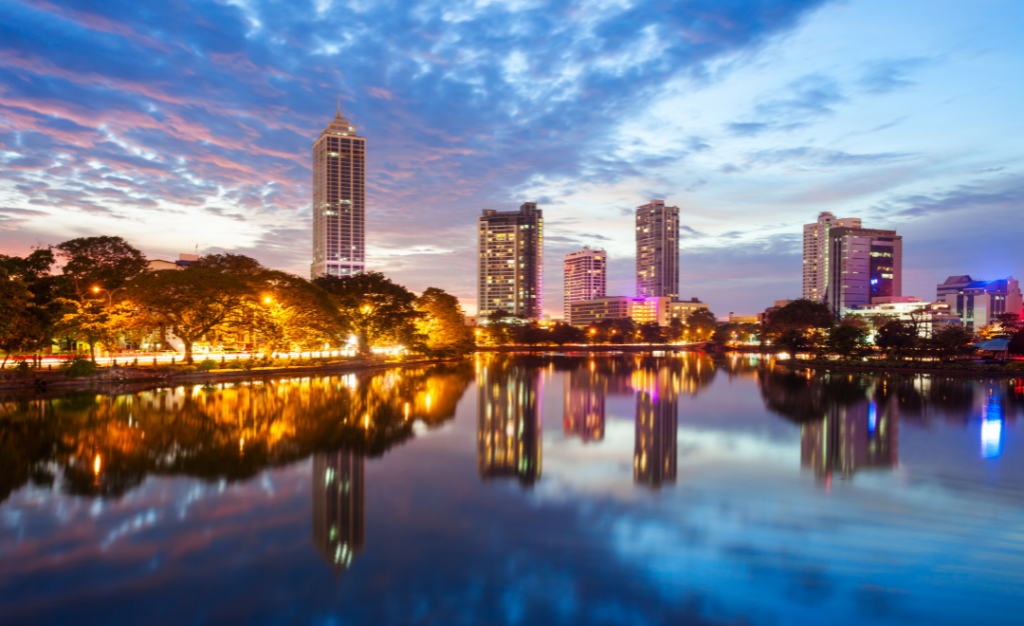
{"x": 508, "y": 427}
{"x": 339, "y": 507}
{"x": 992, "y": 427}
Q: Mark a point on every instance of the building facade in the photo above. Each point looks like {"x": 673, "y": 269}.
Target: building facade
{"x": 642, "y": 310}
{"x": 339, "y": 200}
{"x": 682, "y": 309}
{"x": 927, "y": 317}
{"x": 657, "y": 251}
{"x": 863, "y": 264}
{"x": 978, "y": 303}
{"x": 510, "y": 273}
{"x": 815, "y": 267}
{"x": 585, "y": 277}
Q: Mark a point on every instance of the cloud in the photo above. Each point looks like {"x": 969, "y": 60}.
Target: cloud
{"x": 992, "y": 198}
{"x": 807, "y": 158}
{"x": 801, "y": 102}
{"x": 888, "y": 75}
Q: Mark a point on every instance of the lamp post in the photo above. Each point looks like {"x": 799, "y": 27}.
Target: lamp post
{"x": 110, "y": 293}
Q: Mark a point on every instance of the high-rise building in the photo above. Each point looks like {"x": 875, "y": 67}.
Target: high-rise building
{"x": 585, "y": 277}
{"x": 511, "y": 262}
{"x": 862, "y": 264}
{"x": 979, "y": 302}
{"x": 657, "y": 251}
{"x": 339, "y": 506}
{"x": 816, "y": 252}
{"x": 509, "y": 422}
{"x": 657, "y": 420}
{"x": 339, "y": 200}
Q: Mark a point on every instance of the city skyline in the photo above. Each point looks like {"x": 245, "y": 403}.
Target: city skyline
{"x": 124, "y": 122}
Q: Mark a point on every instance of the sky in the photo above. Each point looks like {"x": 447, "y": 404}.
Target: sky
{"x": 185, "y": 126}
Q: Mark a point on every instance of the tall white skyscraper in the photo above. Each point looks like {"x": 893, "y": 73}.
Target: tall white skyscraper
{"x": 339, "y": 200}
{"x": 816, "y": 253}
{"x": 585, "y": 277}
{"x": 657, "y": 250}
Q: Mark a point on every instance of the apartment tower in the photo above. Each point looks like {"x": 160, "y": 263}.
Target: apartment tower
{"x": 510, "y": 274}
{"x": 585, "y": 277}
{"x": 863, "y": 264}
{"x": 657, "y": 251}
{"x": 339, "y": 200}
{"x": 816, "y": 253}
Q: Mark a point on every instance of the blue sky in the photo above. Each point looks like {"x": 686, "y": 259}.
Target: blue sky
{"x": 180, "y": 124}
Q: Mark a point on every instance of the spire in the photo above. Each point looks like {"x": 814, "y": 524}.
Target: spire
{"x": 339, "y": 105}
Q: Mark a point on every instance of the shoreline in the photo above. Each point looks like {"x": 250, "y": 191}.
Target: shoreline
{"x": 142, "y": 378}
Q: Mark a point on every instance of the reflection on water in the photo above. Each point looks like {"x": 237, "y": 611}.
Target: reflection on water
{"x": 691, "y": 480}
{"x": 339, "y": 506}
{"x": 585, "y": 391}
{"x": 657, "y": 414}
{"x": 509, "y": 413}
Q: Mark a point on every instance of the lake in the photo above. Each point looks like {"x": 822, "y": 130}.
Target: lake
{"x": 526, "y": 489}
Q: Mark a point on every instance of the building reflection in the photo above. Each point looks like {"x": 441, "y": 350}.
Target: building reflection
{"x": 850, "y": 438}
{"x": 509, "y": 415}
{"x": 584, "y": 413}
{"x": 657, "y": 409}
{"x": 339, "y": 506}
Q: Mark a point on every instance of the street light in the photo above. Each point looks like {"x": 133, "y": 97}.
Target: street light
{"x": 110, "y": 294}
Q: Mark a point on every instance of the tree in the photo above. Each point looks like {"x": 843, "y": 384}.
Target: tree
{"x": 847, "y": 340}
{"x": 810, "y": 318}
{"x": 372, "y": 308}
{"x": 103, "y": 262}
{"x": 896, "y": 338}
{"x": 792, "y": 341}
{"x": 442, "y": 324}
{"x": 676, "y": 329}
{"x": 1009, "y": 324}
{"x": 32, "y": 325}
{"x": 89, "y": 321}
{"x": 701, "y": 324}
{"x": 954, "y": 340}
{"x": 193, "y": 302}
{"x": 650, "y": 332}
{"x": 562, "y": 334}
{"x": 15, "y": 310}
{"x": 291, "y": 312}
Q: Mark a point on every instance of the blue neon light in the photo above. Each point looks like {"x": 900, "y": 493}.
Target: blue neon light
{"x": 872, "y": 419}
{"x": 992, "y": 428}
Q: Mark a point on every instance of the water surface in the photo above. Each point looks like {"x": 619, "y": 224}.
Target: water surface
{"x": 519, "y": 490}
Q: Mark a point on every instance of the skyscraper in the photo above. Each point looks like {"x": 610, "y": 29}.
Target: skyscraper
{"x": 816, "y": 252}
{"x": 511, "y": 263}
{"x": 339, "y": 200}
{"x": 657, "y": 250}
{"x": 339, "y": 506}
{"x": 863, "y": 264}
{"x": 585, "y": 277}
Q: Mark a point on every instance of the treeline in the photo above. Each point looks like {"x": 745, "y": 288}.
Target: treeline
{"x": 104, "y": 294}
{"x": 805, "y": 326}
{"x": 504, "y": 328}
